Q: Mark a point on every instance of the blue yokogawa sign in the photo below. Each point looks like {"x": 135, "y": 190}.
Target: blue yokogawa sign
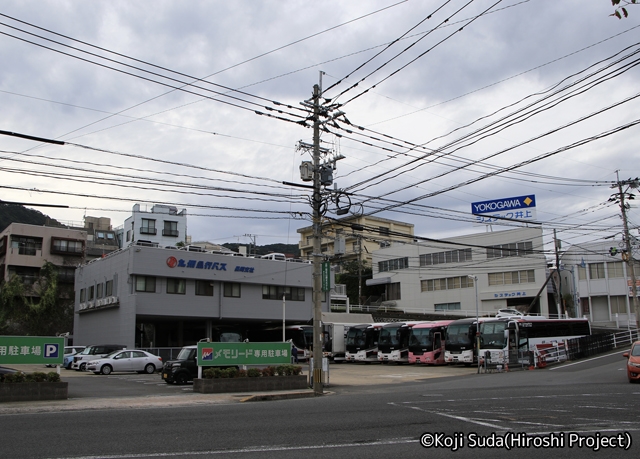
{"x": 516, "y": 208}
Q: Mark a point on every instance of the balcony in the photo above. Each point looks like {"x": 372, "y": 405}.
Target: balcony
{"x": 144, "y": 230}
{"x": 170, "y": 232}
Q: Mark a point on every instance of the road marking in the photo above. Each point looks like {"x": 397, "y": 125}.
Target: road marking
{"x": 250, "y": 449}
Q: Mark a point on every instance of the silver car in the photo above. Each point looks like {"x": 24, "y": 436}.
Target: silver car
{"x": 126, "y": 360}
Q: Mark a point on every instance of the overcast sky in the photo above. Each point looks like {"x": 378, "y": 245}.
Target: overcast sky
{"x": 498, "y": 83}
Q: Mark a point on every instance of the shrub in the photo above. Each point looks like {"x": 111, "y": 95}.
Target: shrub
{"x": 241, "y": 373}
{"x": 254, "y": 372}
{"x": 21, "y": 377}
{"x": 52, "y": 376}
{"x": 268, "y": 371}
{"x": 35, "y": 377}
{"x": 231, "y": 373}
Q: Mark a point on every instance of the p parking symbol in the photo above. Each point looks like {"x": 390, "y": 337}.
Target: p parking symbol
{"x": 51, "y": 351}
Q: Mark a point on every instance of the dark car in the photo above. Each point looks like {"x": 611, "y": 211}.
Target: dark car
{"x": 6, "y": 371}
{"x": 183, "y": 369}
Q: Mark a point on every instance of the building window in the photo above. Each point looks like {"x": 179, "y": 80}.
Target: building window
{"x": 66, "y": 275}
{"x": 204, "y": 288}
{"x": 272, "y": 292}
{"x": 618, "y": 305}
{"x": 596, "y": 270}
{"x": 393, "y": 291}
{"x": 83, "y": 295}
{"x": 447, "y": 306}
{"x": 109, "y": 288}
{"x": 66, "y": 246}
{"x": 111, "y": 236}
{"x": 383, "y": 231}
{"x": 451, "y": 256}
{"x": 232, "y": 289}
{"x": 26, "y": 245}
{"x": 99, "y": 290}
{"x": 512, "y": 277}
{"x": 170, "y": 229}
{"x": 446, "y": 283}
{"x": 128, "y": 235}
{"x": 100, "y": 235}
{"x": 177, "y": 286}
{"x": 614, "y": 269}
{"x": 392, "y": 265}
{"x": 582, "y": 273}
{"x": 513, "y": 249}
{"x": 148, "y": 226}
{"x": 90, "y": 292}
{"x": 145, "y": 284}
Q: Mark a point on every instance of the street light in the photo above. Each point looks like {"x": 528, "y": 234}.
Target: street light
{"x": 475, "y": 284}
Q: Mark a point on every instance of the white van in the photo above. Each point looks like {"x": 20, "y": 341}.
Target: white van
{"x": 275, "y": 256}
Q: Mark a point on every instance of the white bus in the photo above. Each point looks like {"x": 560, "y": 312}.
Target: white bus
{"x": 518, "y": 339}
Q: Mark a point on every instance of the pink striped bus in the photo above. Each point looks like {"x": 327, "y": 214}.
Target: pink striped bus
{"x": 427, "y": 342}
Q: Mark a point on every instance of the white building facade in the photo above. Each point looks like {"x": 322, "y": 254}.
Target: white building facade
{"x": 151, "y": 296}
{"x": 496, "y": 269}
{"x": 599, "y": 283}
{"x": 162, "y": 224}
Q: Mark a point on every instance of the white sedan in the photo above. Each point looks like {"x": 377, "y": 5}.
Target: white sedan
{"x": 126, "y": 360}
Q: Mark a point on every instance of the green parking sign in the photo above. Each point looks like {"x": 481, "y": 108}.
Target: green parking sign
{"x": 230, "y": 354}
{"x": 16, "y": 350}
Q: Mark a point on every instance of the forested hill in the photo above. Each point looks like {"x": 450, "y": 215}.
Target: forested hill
{"x": 15, "y": 213}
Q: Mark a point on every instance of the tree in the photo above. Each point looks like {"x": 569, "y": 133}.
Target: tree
{"x": 43, "y": 308}
{"x": 354, "y": 274}
{"x": 620, "y": 7}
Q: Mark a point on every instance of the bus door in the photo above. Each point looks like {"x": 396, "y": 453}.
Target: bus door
{"x": 512, "y": 340}
{"x": 438, "y": 347}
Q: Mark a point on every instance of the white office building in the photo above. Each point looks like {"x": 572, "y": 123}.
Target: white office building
{"x": 497, "y": 269}
{"x": 599, "y": 281}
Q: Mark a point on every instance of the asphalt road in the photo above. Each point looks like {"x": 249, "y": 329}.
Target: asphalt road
{"x": 467, "y": 415}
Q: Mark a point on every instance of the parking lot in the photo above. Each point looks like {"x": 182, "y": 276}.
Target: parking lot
{"x": 131, "y": 389}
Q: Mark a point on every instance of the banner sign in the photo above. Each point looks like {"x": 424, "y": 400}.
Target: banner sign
{"x": 230, "y": 354}
{"x": 326, "y": 276}
{"x": 516, "y": 208}
{"x": 17, "y": 350}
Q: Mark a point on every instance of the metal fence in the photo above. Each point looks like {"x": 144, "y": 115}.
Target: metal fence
{"x": 598, "y": 344}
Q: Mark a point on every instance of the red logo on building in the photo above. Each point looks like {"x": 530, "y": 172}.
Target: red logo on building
{"x": 172, "y": 262}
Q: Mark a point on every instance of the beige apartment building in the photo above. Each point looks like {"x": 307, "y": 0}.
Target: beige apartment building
{"x": 24, "y": 249}
{"x": 354, "y": 238}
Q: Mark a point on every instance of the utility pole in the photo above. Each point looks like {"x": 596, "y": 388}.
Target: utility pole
{"x": 320, "y": 175}
{"x": 629, "y": 249}
{"x": 560, "y": 303}
{"x": 317, "y": 248}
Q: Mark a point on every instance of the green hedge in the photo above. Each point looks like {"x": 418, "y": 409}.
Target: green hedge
{"x": 280, "y": 370}
{"x": 21, "y": 377}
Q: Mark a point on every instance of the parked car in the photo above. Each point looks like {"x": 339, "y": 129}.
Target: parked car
{"x": 183, "y": 369}
{"x": 633, "y": 362}
{"x": 6, "y": 371}
{"x": 69, "y": 351}
{"x": 508, "y": 312}
{"x": 92, "y": 353}
{"x": 126, "y": 360}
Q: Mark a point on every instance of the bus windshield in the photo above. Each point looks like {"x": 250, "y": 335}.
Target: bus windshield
{"x": 492, "y": 335}
{"x": 460, "y": 334}
{"x": 355, "y": 337}
{"x": 421, "y": 337}
{"x": 389, "y": 336}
